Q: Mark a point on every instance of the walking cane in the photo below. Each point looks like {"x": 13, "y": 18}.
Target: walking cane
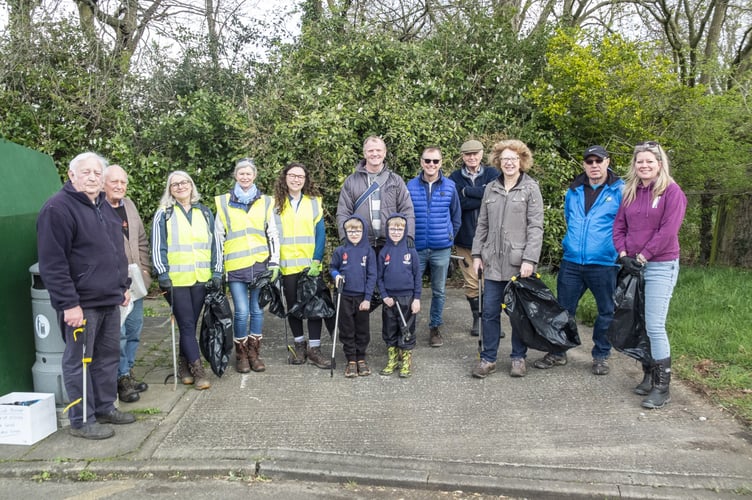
{"x": 84, "y": 362}
{"x": 340, "y": 285}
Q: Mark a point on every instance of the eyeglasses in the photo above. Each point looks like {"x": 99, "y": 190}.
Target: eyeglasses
{"x": 594, "y": 160}
{"x": 396, "y": 229}
{"x": 354, "y": 231}
{"x": 428, "y": 161}
{"x": 245, "y": 160}
{"x": 509, "y": 159}
{"x": 650, "y": 144}
{"x": 180, "y": 184}
{"x": 296, "y": 176}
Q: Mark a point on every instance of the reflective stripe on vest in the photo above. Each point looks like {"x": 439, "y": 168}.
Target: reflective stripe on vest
{"x": 297, "y": 234}
{"x": 245, "y": 243}
{"x": 189, "y": 248}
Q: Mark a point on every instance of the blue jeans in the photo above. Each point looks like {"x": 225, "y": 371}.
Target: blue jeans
{"x": 660, "y": 279}
{"x": 572, "y": 283}
{"x": 439, "y": 260}
{"x": 130, "y": 336}
{"x": 493, "y": 296}
{"x": 245, "y": 300}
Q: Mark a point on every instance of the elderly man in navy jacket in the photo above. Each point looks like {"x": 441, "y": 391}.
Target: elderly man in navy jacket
{"x": 471, "y": 180}
{"x": 82, "y": 263}
{"x": 438, "y": 217}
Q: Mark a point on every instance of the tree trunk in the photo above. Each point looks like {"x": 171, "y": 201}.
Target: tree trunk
{"x": 734, "y": 231}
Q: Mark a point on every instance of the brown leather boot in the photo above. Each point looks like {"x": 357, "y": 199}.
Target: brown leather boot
{"x": 317, "y": 358}
{"x": 254, "y": 351}
{"x": 199, "y": 375}
{"x": 241, "y": 356}
{"x": 184, "y": 371}
{"x": 297, "y": 353}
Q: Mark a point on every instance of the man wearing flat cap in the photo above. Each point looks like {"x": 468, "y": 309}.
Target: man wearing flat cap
{"x": 471, "y": 180}
{"x": 589, "y": 260}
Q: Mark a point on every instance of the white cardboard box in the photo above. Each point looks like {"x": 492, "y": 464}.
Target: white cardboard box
{"x": 26, "y": 423}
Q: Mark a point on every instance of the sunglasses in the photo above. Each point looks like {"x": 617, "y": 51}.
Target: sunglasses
{"x": 431, "y": 160}
{"x": 596, "y": 160}
{"x": 647, "y": 144}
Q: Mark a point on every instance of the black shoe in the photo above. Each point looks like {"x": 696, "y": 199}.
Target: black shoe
{"x": 126, "y": 392}
{"x": 93, "y": 430}
{"x": 116, "y": 417}
{"x": 138, "y": 386}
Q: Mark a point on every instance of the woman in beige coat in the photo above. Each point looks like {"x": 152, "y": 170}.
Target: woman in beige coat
{"x": 507, "y": 242}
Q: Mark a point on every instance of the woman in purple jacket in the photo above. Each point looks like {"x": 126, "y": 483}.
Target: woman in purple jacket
{"x": 646, "y": 234}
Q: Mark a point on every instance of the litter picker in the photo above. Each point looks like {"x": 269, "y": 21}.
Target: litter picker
{"x": 480, "y": 311}
{"x": 407, "y": 335}
{"x": 284, "y": 319}
{"x": 340, "y": 285}
{"x": 174, "y": 373}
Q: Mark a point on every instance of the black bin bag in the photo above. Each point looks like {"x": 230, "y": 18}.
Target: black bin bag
{"x": 314, "y": 300}
{"x": 215, "y": 339}
{"x": 537, "y": 317}
{"x": 270, "y": 293}
{"x": 627, "y": 332}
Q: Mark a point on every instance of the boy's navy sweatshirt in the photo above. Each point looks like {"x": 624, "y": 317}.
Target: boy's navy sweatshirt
{"x": 357, "y": 263}
{"x": 398, "y": 268}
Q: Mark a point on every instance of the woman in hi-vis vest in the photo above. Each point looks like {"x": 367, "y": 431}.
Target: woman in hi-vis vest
{"x": 249, "y": 242}
{"x": 302, "y": 237}
{"x": 184, "y": 254}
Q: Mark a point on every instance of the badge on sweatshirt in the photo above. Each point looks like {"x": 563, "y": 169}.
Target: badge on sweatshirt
{"x": 407, "y": 259}
{"x": 387, "y": 259}
{"x": 344, "y": 258}
{"x": 363, "y": 261}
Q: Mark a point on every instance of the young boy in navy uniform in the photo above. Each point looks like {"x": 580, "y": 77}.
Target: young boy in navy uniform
{"x": 355, "y": 262}
{"x": 399, "y": 280}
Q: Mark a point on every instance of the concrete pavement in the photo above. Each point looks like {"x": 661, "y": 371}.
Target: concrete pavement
{"x": 559, "y": 433}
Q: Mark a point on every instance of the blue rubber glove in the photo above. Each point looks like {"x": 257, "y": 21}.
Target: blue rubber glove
{"x": 315, "y": 269}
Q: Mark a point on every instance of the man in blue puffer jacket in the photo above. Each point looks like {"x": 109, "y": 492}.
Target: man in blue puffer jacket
{"x": 589, "y": 260}
{"x": 438, "y": 217}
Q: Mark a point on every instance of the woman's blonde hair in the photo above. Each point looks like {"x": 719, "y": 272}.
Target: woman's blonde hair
{"x": 632, "y": 180}
{"x": 168, "y": 200}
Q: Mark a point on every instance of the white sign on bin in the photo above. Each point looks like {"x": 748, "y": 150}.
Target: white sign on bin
{"x": 26, "y": 417}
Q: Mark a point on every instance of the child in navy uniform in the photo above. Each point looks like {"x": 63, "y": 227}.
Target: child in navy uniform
{"x": 400, "y": 283}
{"x": 355, "y": 262}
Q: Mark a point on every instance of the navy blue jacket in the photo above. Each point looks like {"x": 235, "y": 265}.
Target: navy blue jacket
{"x": 437, "y": 217}
{"x": 589, "y": 237}
{"x": 398, "y": 268}
{"x": 357, "y": 263}
{"x": 471, "y": 194}
{"x": 81, "y": 254}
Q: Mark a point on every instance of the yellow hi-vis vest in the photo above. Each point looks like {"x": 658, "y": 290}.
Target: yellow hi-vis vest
{"x": 245, "y": 234}
{"x": 297, "y": 234}
{"x": 188, "y": 248}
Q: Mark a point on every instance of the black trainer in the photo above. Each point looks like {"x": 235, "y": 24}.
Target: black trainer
{"x": 116, "y": 417}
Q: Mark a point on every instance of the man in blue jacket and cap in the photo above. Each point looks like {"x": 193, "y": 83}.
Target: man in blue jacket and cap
{"x": 589, "y": 260}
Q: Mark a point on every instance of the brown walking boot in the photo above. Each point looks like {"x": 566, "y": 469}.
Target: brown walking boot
{"x": 317, "y": 358}
{"x": 254, "y": 351}
{"x": 297, "y": 353}
{"x": 199, "y": 375}
{"x": 242, "y": 365}
{"x": 184, "y": 371}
